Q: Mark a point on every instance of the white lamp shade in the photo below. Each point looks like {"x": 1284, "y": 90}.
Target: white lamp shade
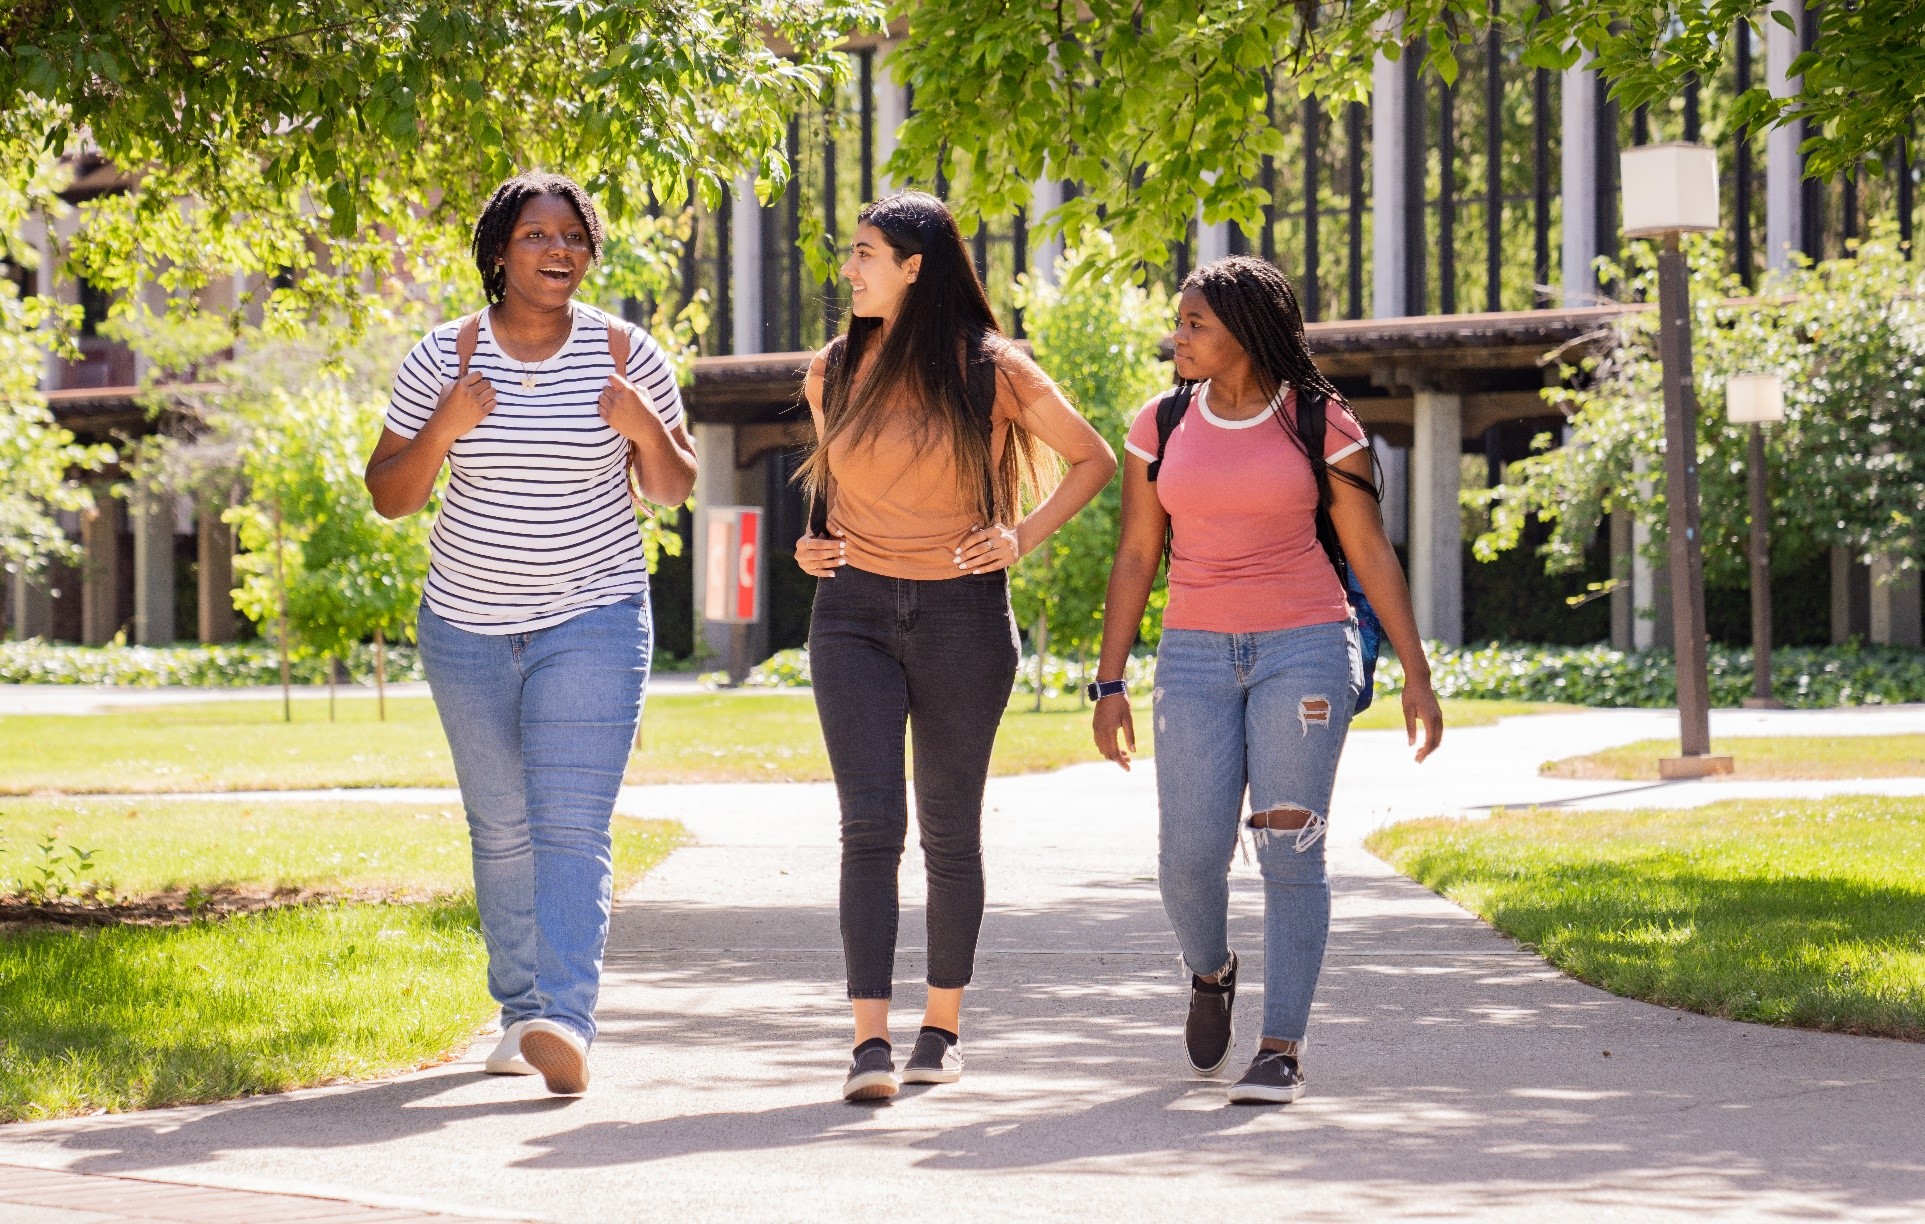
{"x": 1669, "y": 188}
{"x": 1754, "y": 399}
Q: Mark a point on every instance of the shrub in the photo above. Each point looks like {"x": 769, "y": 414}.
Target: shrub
{"x": 1803, "y": 677}
{"x": 250, "y": 663}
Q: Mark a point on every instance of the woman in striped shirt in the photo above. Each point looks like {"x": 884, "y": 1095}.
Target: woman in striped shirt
{"x": 534, "y": 627}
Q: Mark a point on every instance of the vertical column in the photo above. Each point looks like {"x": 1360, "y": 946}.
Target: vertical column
{"x": 1741, "y": 168}
{"x": 715, "y": 485}
{"x": 1388, "y": 110}
{"x": 214, "y": 545}
{"x": 1540, "y": 183}
{"x": 1436, "y": 523}
{"x": 1212, "y": 241}
{"x": 1354, "y": 136}
{"x": 1395, "y": 462}
{"x": 100, "y": 569}
{"x": 40, "y": 237}
{"x": 1784, "y": 164}
{"x": 29, "y": 608}
{"x": 1894, "y": 603}
{"x": 745, "y": 265}
{"x": 153, "y": 526}
{"x": 1045, "y": 195}
{"x": 1579, "y": 183}
{"x": 892, "y": 107}
{"x": 1623, "y": 611}
{"x": 1446, "y": 198}
{"x": 1309, "y": 286}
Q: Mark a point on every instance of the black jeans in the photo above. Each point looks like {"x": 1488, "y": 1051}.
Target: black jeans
{"x": 939, "y": 656}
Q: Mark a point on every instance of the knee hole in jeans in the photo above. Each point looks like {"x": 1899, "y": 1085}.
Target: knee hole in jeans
{"x": 1308, "y": 826}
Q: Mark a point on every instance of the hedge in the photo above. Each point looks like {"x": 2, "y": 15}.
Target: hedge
{"x": 1803, "y": 676}
{"x": 250, "y": 663}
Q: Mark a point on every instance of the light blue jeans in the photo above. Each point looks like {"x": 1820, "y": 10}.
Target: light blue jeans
{"x": 1266, "y": 713}
{"x": 540, "y": 725}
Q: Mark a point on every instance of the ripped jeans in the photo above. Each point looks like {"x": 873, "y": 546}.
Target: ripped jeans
{"x": 1266, "y": 712}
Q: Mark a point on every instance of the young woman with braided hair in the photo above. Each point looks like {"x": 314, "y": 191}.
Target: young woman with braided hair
{"x": 930, "y": 428}
{"x": 1259, "y": 668}
{"x": 534, "y": 626}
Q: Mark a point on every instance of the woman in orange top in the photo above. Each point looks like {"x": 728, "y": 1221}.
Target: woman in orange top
{"x": 932, "y": 430}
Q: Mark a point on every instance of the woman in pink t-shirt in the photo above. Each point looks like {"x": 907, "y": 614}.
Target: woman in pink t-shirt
{"x": 1259, "y": 668}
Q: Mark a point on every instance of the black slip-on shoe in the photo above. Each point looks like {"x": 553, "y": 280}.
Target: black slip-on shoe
{"x": 933, "y": 1061}
{"x": 1207, "y": 1032}
{"x": 872, "y": 1073}
{"x": 1274, "y": 1078}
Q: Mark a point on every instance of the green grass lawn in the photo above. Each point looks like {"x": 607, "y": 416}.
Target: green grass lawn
{"x": 139, "y": 1016}
{"x": 1840, "y": 756}
{"x": 244, "y": 745}
{"x": 1808, "y": 913}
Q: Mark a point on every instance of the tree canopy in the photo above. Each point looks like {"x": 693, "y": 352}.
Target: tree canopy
{"x": 1159, "y": 106}
{"x": 311, "y": 133}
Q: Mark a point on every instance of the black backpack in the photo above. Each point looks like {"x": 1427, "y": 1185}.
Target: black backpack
{"x": 1313, "y": 410}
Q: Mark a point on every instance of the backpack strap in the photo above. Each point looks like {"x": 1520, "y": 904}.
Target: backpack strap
{"x": 618, "y": 340}
{"x": 465, "y": 341}
{"x": 1169, "y": 414}
{"x": 1313, "y": 423}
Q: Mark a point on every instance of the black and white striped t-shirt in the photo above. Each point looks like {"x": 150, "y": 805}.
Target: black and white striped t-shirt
{"x": 535, "y": 524}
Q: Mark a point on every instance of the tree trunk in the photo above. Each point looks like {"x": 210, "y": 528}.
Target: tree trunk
{"x": 1042, "y": 650}
{"x": 381, "y": 675}
{"x": 280, "y": 581}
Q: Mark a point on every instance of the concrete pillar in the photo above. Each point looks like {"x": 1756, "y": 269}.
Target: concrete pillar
{"x": 100, "y": 570}
{"x": 29, "y": 608}
{"x": 1388, "y": 103}
{"x": 1395, "y": 462}
{"x": 892, "y": 108}
{"x": 715, "y": 485}
{"x": 1894, "y": 611}
{"x": 1623, "y": 609}
{"x": 39, "y": 236}
{"x": 1045, "y": 195}
{"x": 1579, "y": 184}
{"x": 1850, "y": 597}
{"x": 1436, "y": 522}
{"x": 153, "y": 525}
{"x": 1784, "y": 164}
{"x": 214, "y": 546}
{"x": 745, "y": 272}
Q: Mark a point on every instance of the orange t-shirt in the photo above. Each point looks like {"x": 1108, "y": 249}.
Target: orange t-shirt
{"x": 896, "y": 499}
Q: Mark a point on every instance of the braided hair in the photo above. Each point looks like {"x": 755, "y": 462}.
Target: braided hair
{"x": 1256, "y": 305}
{"x": 497, "y": 223}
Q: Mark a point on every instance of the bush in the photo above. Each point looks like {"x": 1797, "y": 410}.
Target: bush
{"x": 251, "y": 663}
{"x": 1805, "y": 677}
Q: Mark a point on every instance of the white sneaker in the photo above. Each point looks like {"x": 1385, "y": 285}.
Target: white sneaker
{"x": 556, "y": 1052}
{"x": 506, "y": 1058}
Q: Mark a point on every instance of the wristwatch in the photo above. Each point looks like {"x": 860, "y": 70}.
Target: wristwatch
{"x": 1096, "y": 690}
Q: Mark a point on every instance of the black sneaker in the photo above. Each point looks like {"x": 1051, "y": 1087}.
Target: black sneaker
{"x": 935, "y": 1060}
{"x": 1273, "y": 1079}
{"x": 1208, "y": 1033}
{"x": 872, "y": 1073}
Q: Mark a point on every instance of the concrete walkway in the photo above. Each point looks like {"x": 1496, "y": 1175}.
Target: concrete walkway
{"x": 1452, "y": 1073}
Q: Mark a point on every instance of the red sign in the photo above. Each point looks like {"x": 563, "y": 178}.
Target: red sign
{"x": 731, "y": 593}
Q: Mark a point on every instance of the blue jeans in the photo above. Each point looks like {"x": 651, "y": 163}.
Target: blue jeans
{"x": 540, "y": 725}
{"x": 1266, "y": 712}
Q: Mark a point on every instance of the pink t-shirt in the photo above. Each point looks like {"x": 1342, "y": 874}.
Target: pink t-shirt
{"x": 1242, "y": 502}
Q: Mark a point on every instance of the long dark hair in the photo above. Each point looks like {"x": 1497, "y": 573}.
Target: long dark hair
{"x": 942, "y": 330}
{"x": 1256, "y": 303}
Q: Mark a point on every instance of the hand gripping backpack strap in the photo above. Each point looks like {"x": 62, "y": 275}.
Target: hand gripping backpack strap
{"x": 618, "y": 353}
{"x": 466, "y": 339}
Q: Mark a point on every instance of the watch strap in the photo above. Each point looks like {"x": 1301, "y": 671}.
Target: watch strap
{"x": 1099, "y": 689}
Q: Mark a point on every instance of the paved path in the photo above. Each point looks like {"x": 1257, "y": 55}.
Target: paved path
{"x": 1452, "y": 1074}
{"x": 104, "y": 698}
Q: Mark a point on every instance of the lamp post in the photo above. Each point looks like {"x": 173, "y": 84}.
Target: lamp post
{"x": 1669, "y": 190}
{"x": 1758, "y": 400}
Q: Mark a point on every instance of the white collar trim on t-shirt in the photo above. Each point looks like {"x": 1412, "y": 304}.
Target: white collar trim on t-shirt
{"x": 1203, "y": 405}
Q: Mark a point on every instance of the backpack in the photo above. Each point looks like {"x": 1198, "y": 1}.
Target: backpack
{"x": 1312, "y": 421}
{"x": 468, "y": 337}
{"x": 981, "y": 376}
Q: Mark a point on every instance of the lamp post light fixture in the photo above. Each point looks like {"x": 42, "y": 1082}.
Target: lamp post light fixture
{"x": 1670, "y": 190}
{"x": 1758, "y": 400}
